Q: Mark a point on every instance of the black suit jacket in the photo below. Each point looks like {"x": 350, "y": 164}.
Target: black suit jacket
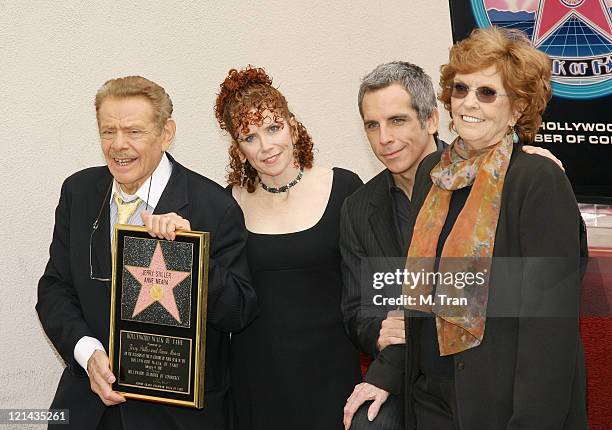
{"x": 528, "y": 373}
{"x": 367, "y": 230}
{"x": 369, "y": 241}
{"x": 71, "y": 305}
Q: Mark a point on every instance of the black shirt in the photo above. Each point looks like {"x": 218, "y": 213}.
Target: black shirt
{"x": 401, "y": 204}
{"x": 430, "y": 361}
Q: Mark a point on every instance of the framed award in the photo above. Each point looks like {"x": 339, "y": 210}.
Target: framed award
{"x": 158, "y": 316}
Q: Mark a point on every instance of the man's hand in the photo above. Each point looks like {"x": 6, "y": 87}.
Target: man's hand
{"x": 101, "y": 378}
{"x": 543, "y": 153}
{"x": 361, "y": 394}
{"x": 164, "y": 226}
{"x": 392, "y": 330}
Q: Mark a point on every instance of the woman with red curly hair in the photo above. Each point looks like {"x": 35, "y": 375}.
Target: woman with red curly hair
{"x": 294, "y": 366}
{"x": 502, "y": 351}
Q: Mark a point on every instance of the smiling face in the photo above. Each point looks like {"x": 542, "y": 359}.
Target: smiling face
{"x": 393, "y": 129}
{"x": 268, "y": 147}
{"x": 131, "y": 142}
{"x": 482, "y": 124}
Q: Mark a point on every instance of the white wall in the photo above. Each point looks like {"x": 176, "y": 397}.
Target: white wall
{"x": 55, "y": 55}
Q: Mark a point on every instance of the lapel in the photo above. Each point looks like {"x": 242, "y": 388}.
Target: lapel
{"x": 382, "y": 219}
{"x": 174, "y": 198}
{"x": 100, "y": 241}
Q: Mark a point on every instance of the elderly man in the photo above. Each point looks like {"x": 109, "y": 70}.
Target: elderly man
{"x": 140, "y": 178}
{"x": 397, "y": 103}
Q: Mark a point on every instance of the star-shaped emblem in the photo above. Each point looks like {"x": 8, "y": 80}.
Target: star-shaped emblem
{"x": 553, "y": 13}
{"x": 157, "y": 284}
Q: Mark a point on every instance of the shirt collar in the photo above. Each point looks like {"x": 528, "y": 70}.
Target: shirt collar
{"x": 390, "y": 180}
{"x": 161, "y": 174}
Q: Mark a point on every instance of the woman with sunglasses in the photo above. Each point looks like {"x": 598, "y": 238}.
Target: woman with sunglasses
{"x": 504, "y": 351}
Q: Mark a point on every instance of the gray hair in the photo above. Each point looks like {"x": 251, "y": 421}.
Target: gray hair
{"x": 412, "y": 78}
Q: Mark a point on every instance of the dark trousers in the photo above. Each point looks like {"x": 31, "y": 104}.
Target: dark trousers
{"x": 435, "y": 405}
{"x": 111, "y": 420}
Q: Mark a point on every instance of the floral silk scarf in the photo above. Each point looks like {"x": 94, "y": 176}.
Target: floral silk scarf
{"x": 469, "y": 246}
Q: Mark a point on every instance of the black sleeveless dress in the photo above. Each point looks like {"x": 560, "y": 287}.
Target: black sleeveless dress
{"x": 294, "y": 366}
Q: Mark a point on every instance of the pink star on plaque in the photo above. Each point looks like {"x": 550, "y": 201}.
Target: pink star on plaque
{"x": 553, "y": 13}
{"x": 157, "y": 284}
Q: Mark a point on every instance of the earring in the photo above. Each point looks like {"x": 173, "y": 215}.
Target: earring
{"x": 515, "y": 136}
{"x": 243, "y": 174}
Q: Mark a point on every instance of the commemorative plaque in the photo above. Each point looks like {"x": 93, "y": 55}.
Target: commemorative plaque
{"x": 158, "y": 316}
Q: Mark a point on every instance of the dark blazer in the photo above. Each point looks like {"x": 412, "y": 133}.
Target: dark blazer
{"x": 71, "y": 305}
{"x": 528, "y": 373}
{"x": 367, "y": 230}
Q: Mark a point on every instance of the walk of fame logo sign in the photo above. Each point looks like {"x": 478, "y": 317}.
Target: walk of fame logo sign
{"x": 576, "y": 34}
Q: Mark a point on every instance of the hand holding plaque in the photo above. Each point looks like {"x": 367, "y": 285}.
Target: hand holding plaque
{"x": 158, "y": 316}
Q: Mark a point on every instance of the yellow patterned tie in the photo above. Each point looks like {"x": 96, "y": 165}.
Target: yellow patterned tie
{"x": 125, "y": 210}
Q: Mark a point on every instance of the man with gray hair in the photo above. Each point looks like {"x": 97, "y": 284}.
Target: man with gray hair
{"x": 397, "y": 103}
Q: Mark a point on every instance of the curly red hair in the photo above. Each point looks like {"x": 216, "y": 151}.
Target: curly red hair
{"x": 245, "y": 94}
{"x": 525, "y": 71}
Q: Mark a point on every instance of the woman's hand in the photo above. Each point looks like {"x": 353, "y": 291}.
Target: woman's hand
{"x": 392, "y": 330}
{"x": 543, "y": 153}
{"x": 361, "y": 394}
{"x": 165, "y": 226}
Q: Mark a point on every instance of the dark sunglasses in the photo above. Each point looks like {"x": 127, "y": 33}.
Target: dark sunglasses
{"x": 483, "y": 94}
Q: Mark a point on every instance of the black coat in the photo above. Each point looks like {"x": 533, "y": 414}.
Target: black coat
{"x": 367, "y": 230}
{"x": 71, "y": 305}
{"x": 528, "y": 373}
